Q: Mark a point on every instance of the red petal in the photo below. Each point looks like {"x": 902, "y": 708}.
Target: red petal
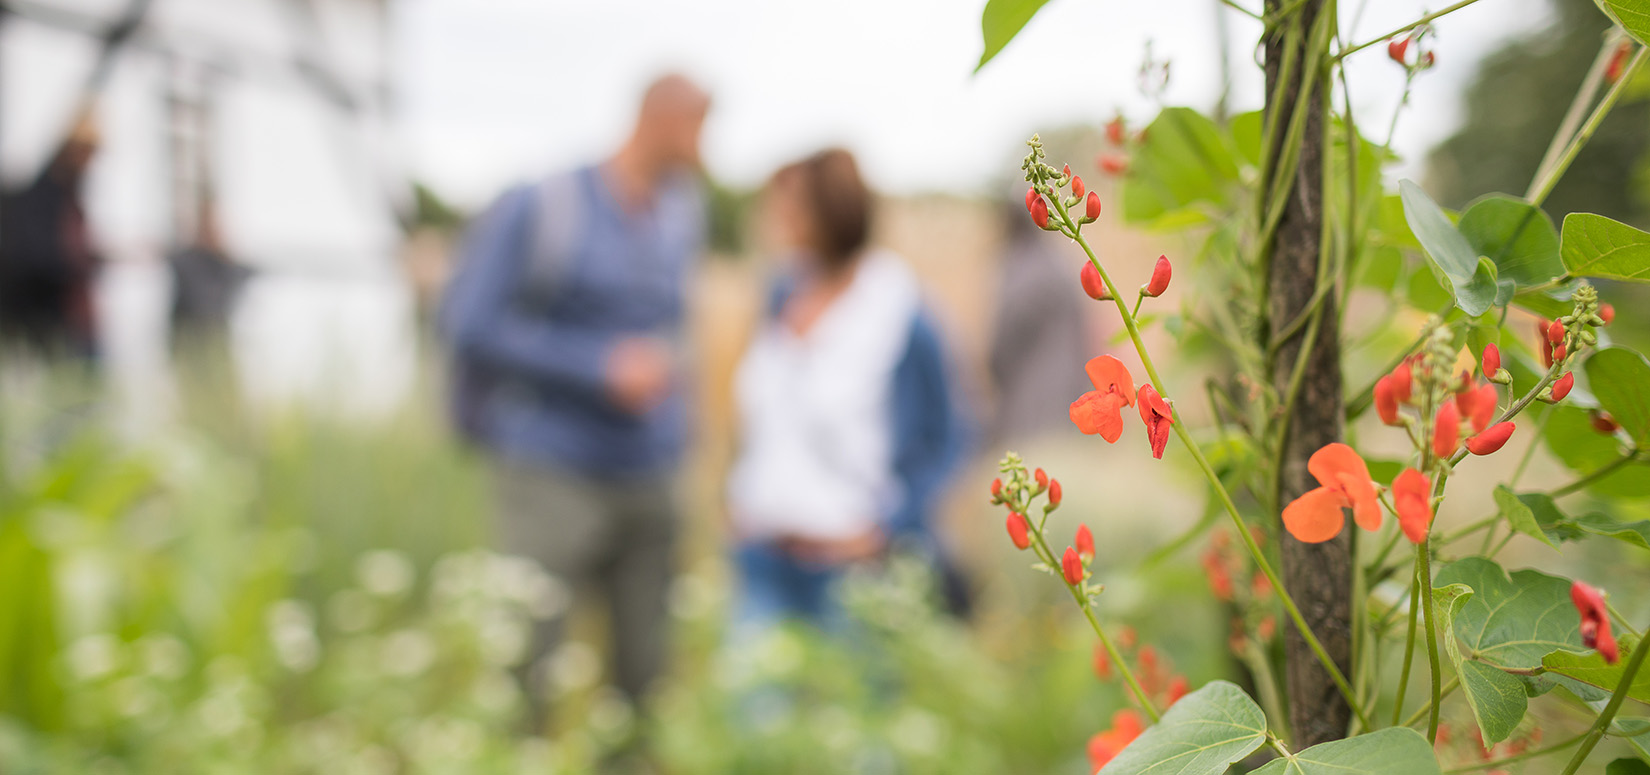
{"x": 1412, "y": 499}
{"x": 1366, "y": 502}
{"x": 1334, "y": 459}
{"x": 1386, "y": 400}
{"x": 1107, "y": 373}
{"x": 1097, "y": 412}
{"x": 1315, "y": 517}
{"x": 1446, "y": 430}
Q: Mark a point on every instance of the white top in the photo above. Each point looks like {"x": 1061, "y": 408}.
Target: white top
{"x": 816, "y": 455}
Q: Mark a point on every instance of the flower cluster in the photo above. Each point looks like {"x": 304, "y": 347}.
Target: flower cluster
{"x": 1157, "y": 678}
{"x": 1595, "y": 621}
{"x": 1100, "y": 411}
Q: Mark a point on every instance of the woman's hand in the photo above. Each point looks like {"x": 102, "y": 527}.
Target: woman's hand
{"x": 836, "y": 551}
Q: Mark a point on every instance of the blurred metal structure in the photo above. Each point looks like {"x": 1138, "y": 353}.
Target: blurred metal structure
{"x": 273, "y": 115}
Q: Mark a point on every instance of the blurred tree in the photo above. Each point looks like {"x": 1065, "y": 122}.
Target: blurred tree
{"x": 1514, "y": 106}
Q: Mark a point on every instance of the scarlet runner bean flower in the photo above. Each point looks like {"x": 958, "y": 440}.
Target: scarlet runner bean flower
{"x": 1477, "y": 404}
{"x": 1595, "y": 621}
{"x": 1403, "y": 382}
{"x": 1041, "y": 477}
{"x": 1316, "y": 516}
{"x": 1160, "y": 278}
{"x": 1053, "y": 495}
{"x": 1095, "y": 287}
{"x": 997, "y": 490}
{"x": 1386, "y": 401}
{"x": 1039, "y": 213}
{"x": 1019, "y": 530}
{"x": 1126, "y": 725}
{"x": 1606, "y": 312}
{"x": 1396, "y": 48}
{"x": 1101, "y": 409}
{"x": 1071, "y": 567}
{"x": 1446, "y": 430}
{"x": 1077, "y": 188}
{"x": 1603, "y": 422}
{"x": 1412, "y": 499}
{"x": 1158, "y": 416}
{"x": 1031, "y": 198}
{"x": 1562, "y": 385}
{"x": 1084, "y": 543}
{"x": 1220, "y": 580}
{"x": 1492, "y": 439}
{"x": 1492, "y": 361}
{"x": 1113, "y": 163}
{"x": 1178, "y": 687}
{"x": 1091, "y": 207}
{"x": 1115, "y": 130}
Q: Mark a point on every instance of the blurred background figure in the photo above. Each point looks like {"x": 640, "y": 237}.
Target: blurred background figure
{"x": 206, "y": 281}
{"x": 565, "y": 317}
{"x": 848, "y": 422}
{"x": 1037, "y": 349}
{"x": 47, "y": 262}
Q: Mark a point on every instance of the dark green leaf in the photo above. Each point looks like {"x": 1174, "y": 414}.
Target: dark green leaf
{"x": 1620, "y": 379}
{"x": 1001, "y": 21}
{"x": 1632, "y": 15}
{"x": 1497, "y": 699}
{"x": 1559, "y": 526}
{"x": 1391, "y": 751}
{"x": 1202, "y": 734}
{"x": 1471, "y": 282}
{"x": 1591, "y": 669}
{"x": 1511, "y": 620}
{"x": 1595, "y": 246}
{"x": 1627, "y": 767}
{"x": 1517, "y": 236}
{"x": 1518, "y": 515}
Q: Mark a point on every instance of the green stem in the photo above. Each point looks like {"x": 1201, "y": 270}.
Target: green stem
{"x": 1589, "y": 479}
{"x": 1518, "y": 757}
{"x": 1424, "y": 589}
{"x": 1409, "y": 644}
{"x": 1540, "y": 191}
{"x": 1232, "y": 4}
{"x": 1488, "y": 521}
{"x": 1242, "y": 528}
{"x": 1406, "y": 28}
{"x": 1602, "y": 725}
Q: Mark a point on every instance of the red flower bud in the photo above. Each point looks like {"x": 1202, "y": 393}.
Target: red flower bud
{"x": 1604, "y": 423}
{"x": 1065, "y": 171}
{"x": 1019, "y": 530}
{"x": 1085, "y": 543}
{"x": 1428, "y": 60}
{"x": 1092, "y": 284}
{"x": 997, "y": 488}
{"x": 1558, "y": 355}
{"x": 1115, "y": 130}
{"x": 1555, "y": 332}
{"x": 1595, "y": 621}
{"x": 1618, "y": 62}
{"x": 1403, "y": 382}
{"x": 1071, "y": 567}
{"x": 1041, "y": 477}
{"x": 1607, "y": 312}
{"x": 1160, "y": 277}
{"x": 1492, "y": 360}
{"x": 1491, "y": 440}
{"x": 1039, "y": 213}
{"x": 1386, "y": 401}
{"x": 1054, "y": 493}
{"x": 1396, "y": 48}
{"x": 1031, "y": 197}
{"x": 1077, "y": 186}
{"x": 1562, "y": 385}
{"x": 1446, "y": 430}
{"x": 1114, "y": 163}
{"x": 1092, "y": 206}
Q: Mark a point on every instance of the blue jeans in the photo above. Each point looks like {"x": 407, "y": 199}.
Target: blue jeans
{"x": 775, "y": 587}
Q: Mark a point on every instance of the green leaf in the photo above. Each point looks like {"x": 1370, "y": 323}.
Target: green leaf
{"x": 1595, "y": 246}
{"x": 1571, "y": 438}
{"x": 1620, "y": 379}
{"x": 1447, "y": 601}
{"x": 1496, "y": 697}
{"x": 1591, "y": 669}
{"x": 1471, "y": 282}
{"x": 1186, "y": 164}
{"x": 1202, "y": 734}
{"x": 1391, "y": 751}
{"x": 1516, "y": 235}
{"x": 1627, "y": 767}
{"x": 1561, "y": 527}
{"x": 1632, "y": 15}
{"x": 1001, "y": 21}
{"x": 1512, "y": 620}
{"x": 1518, "y": 515}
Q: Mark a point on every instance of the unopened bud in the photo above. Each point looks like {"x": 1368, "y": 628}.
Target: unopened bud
{"x": 1039, "y": 213}
{"x": 1396, "y": 48}
{"x": 1618, "y": 62}
{"x": 997, "y": 490}
{"x": 1071, "y": 567}
{"x": 1562, "y": 385}
{"x": 1054, "y": 495}
{"x": 1085, "y": 543}
{"x": 1019, "y": 530}
{"x": 1492, "y": 439}
{"x": 1031, "y": 198}
{"x": 1092, "y": 284}
{"x": 1115, "y": 130}
{"x": 1603, "y": 422}
{"x": 1555, "y": 332}
{"x": 1077, "y": 186}
{"x": 1041, "y": 477}
{"x": 1607, "y": 312}
{"x": 1492, "y": 360}
{"x": 1160, "y": 278}
{"x": 1065, "y": 172}
{"x": 1092, "y": 206}
{"x": 1446, "y": 430}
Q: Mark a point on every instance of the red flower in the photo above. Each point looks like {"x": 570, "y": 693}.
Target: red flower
{"x": 1031, "y": 198}
{"x": 1115, "y": 130}
{"x": 1160, "y": 277}
{"x": 1403, "y": 382}
{"x": 1126, "y": 725}
{"x": 1316, "y": 516}
{"x": 1555, "y": 332}
{"x": 1446, "y": 430}
{"x": 1618, "y": 62}
{"x": 1092, "y": 284}
{"x": 1491, "y": 440}
{"x": 1178, "y": 687}
{"x": 1114, "y": 163}
{"x": 1019, "y": 530}
{"x": 1102, "y": 662}
{"x": 1562, "y": 385}
{"x": 1158, "y": 416}
{"x": 1054, "y": 493}
{"x": 1396, "y": 48}
{"x": 996, "y": 489}
{"x": 1039, "y": 213}
{"x": 1065, "y": 171}
{"x": 1607, "y": 312}
{"x": 1101, "y": 409}
{"x": 1604, "y": 423}
{"x": 1492, "y": 360}
{"x": 1041, "y": 477}
{"x": 1077, "y": 188}
{"x": 1085, "y": 543}
{"x": 1412, "y": 499}
{"x": 1071, "y": 566}
{"x": 1595, "y": 621}
{"x": 1220, "y": 581}
{"x": 1477, "y": 404}
{"x": 1091, "y": 206}
{"x": 1386, "y": 400}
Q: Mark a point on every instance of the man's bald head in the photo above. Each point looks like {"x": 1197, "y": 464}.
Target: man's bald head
{"x": 668, "y": 123}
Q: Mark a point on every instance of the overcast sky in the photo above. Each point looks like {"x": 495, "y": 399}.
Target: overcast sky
{"x": 496, "y": 90}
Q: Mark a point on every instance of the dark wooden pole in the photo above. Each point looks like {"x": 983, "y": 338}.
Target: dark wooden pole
{"x": 1318, "y": 575}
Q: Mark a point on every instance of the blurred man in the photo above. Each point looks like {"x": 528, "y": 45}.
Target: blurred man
{"x": 565, "y": 318}
{"x": 47, "y": 263}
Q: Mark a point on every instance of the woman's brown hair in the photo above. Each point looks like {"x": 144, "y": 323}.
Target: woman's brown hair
{"x": 838, "y": 202}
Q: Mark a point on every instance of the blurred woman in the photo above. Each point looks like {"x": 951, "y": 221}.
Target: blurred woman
{"x": 848, "y": 420}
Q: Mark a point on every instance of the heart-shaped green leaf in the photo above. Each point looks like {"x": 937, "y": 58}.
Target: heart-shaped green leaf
{"x": 1001, "y": 21}
{"x": 1496, "y": 697}
{"x": 1472, "y": 282}
{"x": 1632, "y": 15}
{"x": 1620, "y": 379}
{"x": 1591, "y": 669}
{"x": 1511, "y": 620}
{"x": 1516, "y": 235}
{"x": 1391, "y": 751}
{"x": 1202, "y": 734}
{"x": 1595, "y": 246}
